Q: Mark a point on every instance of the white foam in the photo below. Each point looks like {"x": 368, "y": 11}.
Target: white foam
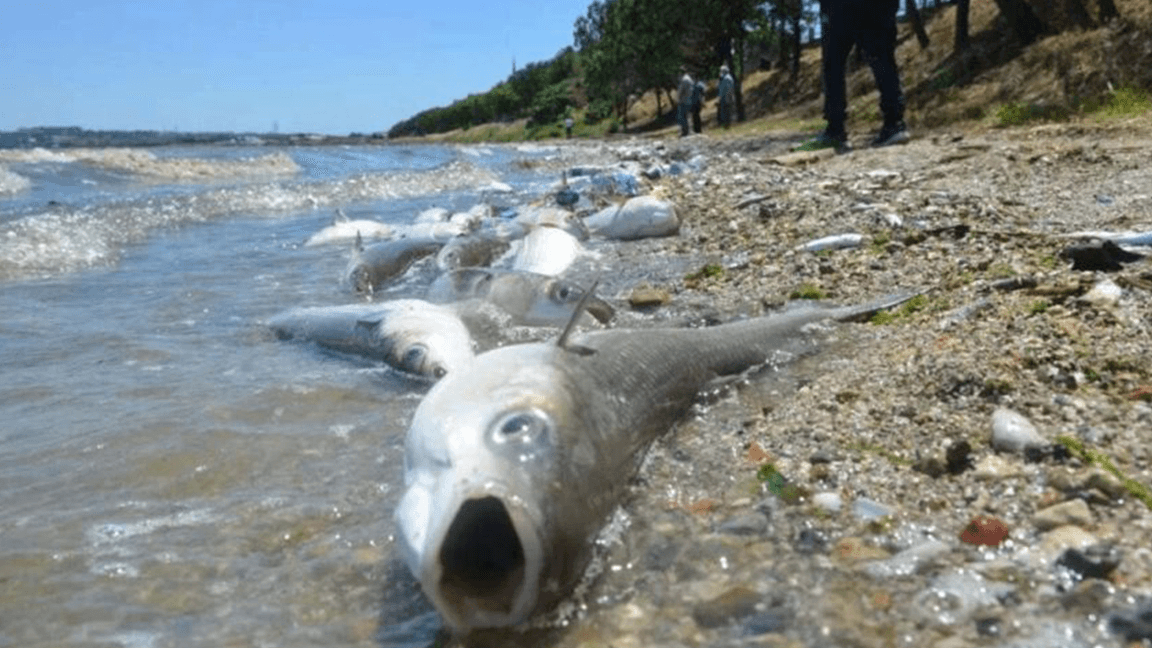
{"x": 11, "y": 182}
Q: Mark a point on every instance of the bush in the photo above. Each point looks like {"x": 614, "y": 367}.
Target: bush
{"x": 549, "y": 105}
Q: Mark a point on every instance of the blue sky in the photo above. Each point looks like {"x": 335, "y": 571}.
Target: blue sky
{"x": 208, "y": 65}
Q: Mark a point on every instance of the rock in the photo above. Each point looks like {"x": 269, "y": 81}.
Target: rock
{"x": 909, "y": 561}
{"x": 866, "y": 509}
{"x": 828, "y": 501}
{"x": 1013, "y": 432}
{"x": 1093, "y": 561}
{"x": 1104, "y": 294}
{"x": 985, "y": 531}
{"x": 733, "y": 605}
{"x": 648, "y": 297}
{"x": 996, "y": 468}
{"x": 1071, "y": 512}
{"x": 1134, "y": 626}
{"x": 745, "y": 525}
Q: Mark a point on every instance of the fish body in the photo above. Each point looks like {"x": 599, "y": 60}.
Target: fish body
{"x": 409, "y": 335}
{"x": 375, "y": 266}
{"x": 641, "y": 217}
{"x": 478, "y": 249}
{"x": 513, "y": 465}
{"x": 547, "y": 251}
{"x": 531, "y": 298}
{"x": 345, "y": 229}
{"x": 834, "y": 242}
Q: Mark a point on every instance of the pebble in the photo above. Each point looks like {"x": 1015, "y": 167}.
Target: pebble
{"x": 828, "y": 501}
{"x": 866, "y": 509}
{"x": 996, "y": 468}
{"x": 733, "y": 605}
{"x": 1093, "y": 561}
{"x": 909, "y": 561}
{"x": 745, "y": 525}
{"x": 984, "y": 530}
{"x": 1071, "y": 512}
{"x": 1104, "y": 294}
{"x": 1013, "y": 432}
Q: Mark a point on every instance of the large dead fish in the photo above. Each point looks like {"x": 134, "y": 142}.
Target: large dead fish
{"x": 409, "y": 335}
{"x": 530, "y": 298}
{"x": 513, "y": 465}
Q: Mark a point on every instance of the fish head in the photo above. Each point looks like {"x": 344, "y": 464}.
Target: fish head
{"x": 480, "y": 461}
{"x": 558, "y": 297}
{"x": 360, "y": 278}
{"x": 423, "y": 339}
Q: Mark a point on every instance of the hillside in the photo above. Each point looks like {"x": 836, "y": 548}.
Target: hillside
{"x": 996, "y": 81}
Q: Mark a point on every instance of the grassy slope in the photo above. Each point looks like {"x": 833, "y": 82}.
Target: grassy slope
{"x": 1068, "y": 76}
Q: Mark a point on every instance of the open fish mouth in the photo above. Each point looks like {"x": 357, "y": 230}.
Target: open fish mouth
{"x": 481, "y": 558}
{"x": 487, "y": 565}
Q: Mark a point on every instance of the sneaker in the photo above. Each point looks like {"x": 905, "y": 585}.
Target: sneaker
{"x": 825, "y": 140}
{"x": 895, "y": 133}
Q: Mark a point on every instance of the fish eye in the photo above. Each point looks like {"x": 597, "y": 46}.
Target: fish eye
{"x": 523, "y": 428}
{"x": 564, "y": 292}
{"x": 439, "y": 371}
{"x": 413, "y": 358}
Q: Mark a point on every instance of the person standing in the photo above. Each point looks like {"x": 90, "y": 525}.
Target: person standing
{"x": 727, "y": 97}
{"x": 698, "y": 90}
{"x": 870, "y": 25}
{"x": 684, "y": 100}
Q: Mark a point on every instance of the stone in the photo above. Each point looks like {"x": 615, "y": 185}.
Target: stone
{"x": 733, "y": 605}
{"x": 1071, "y": 512}
{"x": 1013, "y": 432}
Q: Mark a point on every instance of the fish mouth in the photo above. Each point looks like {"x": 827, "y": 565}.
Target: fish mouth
{"x": 488, "y": 565}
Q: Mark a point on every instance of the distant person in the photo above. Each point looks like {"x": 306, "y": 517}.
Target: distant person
{"x": 871, "y": 25}
{"x": 684, "y": 100}
{"x": 698, "y": 90}
{"x": 568, "y": 124}
{"x": 727, "y": 95}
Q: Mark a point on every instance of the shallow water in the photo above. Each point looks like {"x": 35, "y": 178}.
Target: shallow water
{"x": 170, "y": 474}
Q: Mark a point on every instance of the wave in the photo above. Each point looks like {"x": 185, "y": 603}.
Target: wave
{"x": 11, "y": 183}
{"x": 145, "y": 163}
{"x": 65, "y": 238}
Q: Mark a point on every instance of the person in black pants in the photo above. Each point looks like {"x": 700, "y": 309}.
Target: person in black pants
{"x": 870, "y": 25}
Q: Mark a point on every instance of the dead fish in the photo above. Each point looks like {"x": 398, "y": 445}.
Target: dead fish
{"x": 531, "y": 298}
{"x": 377, "y": 265}
{"x": 409, "y": 335}
{"x": 547, "y": 251}
{"x": 513, "y": 465}
{"x": 346, "y": 229}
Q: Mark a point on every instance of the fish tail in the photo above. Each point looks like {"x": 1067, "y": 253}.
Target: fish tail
{"x": 865, "y": 311}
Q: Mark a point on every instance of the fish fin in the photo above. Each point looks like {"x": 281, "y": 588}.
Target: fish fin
{"x": 358, "y": 246}
{"x": 368, "y": 323}
{"x": 339, "y": 216}
{"x": 562, "y": 341}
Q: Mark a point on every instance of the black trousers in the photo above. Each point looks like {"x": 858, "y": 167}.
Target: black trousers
{"x": 870, "y": 24}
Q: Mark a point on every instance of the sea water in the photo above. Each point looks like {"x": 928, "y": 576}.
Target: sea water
{"x": 170, "y": 474}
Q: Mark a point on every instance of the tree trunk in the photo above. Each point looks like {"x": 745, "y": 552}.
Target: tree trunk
{"x": 796, "y": 45}
{"x": 961, "y": 25}
{"x": 737, "y": 75}
{"x": 917, "y": 24}
{"x": 1023, "y": 23}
